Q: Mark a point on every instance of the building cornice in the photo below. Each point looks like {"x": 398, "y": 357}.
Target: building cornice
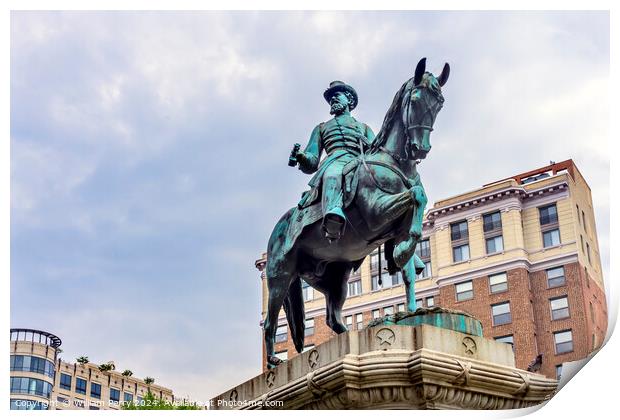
{"x": 521, "y": 262}
{"x": 486, "y": 201}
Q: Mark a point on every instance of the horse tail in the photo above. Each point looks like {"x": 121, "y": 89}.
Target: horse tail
{"x": 295, "y": 314}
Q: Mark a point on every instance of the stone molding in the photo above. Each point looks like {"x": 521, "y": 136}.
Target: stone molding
{"x": 406, "y": 371}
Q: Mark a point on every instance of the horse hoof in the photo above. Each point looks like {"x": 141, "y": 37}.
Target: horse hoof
{"x": 273, "y": 361}
{"x": 402, "y": 254}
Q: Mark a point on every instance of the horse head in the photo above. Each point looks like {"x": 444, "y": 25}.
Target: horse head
{"x": 405, "y": 133}
{"x": 422, "y": 101}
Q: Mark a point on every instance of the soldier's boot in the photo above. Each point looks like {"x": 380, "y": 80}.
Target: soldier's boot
{"x": 334, "y": 223}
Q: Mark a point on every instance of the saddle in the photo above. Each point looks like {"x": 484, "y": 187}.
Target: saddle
{"x": 309, "y": 209}
{"x": 349, "y": 186}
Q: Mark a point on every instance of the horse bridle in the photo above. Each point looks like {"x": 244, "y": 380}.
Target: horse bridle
{"x": 430, "y": 110}
{"x": 394, "y": 156}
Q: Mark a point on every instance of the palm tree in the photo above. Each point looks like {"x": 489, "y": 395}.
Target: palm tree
{"x": 148, "y": 380}
{"x": 106, "y": 367}
{"x": 127, "y": 372}
{"x": 82, "y": 360}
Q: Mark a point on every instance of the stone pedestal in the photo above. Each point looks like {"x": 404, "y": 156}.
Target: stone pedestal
{"x": 395, "y": 367}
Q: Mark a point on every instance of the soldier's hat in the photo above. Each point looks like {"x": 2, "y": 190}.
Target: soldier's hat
{"x": 338, "y": 86}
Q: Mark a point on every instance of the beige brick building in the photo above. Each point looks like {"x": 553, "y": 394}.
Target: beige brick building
{"x": 41, "y": 380}
{"x": 521, "y": 254}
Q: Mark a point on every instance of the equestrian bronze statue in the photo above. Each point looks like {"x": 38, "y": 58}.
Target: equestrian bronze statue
{"x": 365, "y": 193}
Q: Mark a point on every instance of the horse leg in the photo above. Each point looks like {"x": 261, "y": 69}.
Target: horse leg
{"x": 404, "y": 251}
{"x": 409, "y": 273}
{"x": 334, "y": 286}
{"x": 390, "y": 207}
{"x": 278, "y": 288}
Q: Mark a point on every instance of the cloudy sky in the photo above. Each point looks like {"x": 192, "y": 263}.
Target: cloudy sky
{"x": 148, "y": 155}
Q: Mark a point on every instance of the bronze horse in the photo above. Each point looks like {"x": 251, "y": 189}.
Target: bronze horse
{"x": 387, "y": 208}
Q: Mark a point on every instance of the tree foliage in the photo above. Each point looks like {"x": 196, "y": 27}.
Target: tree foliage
{"x": 150, "y": 402}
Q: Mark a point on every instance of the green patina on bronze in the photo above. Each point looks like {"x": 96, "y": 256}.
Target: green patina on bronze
{"x": 366, "y": 192}
{"x": 438, "y": 317}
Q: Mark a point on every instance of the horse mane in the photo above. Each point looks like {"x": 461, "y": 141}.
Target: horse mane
{"x": 391, "y": 114}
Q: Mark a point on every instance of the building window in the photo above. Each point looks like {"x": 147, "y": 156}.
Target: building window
{"x": 495, "y": 244}
{"x": 592, "y": 314}
{"x": 359, "y": 321}
{"x": 281, "y": 333}
{"x": 430, "y": 301}
{"x": 93, "y": 407}
{"x": 426, "y": 273}
{"x": 555, "y": 277}
{"x": 458, "y": 231}
{"x": 397, "y": 279}
{"x": 348, "y": 320}
{"x": 460, "y": 241}
{"x": 127, "y": 397}
{"x": 460, "y": 253}
{"x": 583, "y": 216}
{"x": 509, "y": 339}
{"x": 492, "y": 226}
{"x": 376, "y": 314}
{"x": 355, "y": 288}
{"x": 374, "y": 259}
{"x": 386, "y": 281}
{"x": 388, "y": 310}
{"x": 498, "y": 283}
{"x": 563, "y": 341}
{"x": 32, "y": 364}
{"x": 583, "y": 249}
{"x": 548, "y": 215}
{"x": 65, "y": 381}
{"x": 308, "y": 291}
{"x": 464, "y": 291}
{"x": 282, "y": 355}
{"x": 559, "y": 308}
{"x": 558, "y": 372}
{"x": 578, "y": 219}
{"x": 588, "y": 252}
{"x": 374, "y": 282}
{"x": 501, "y": 313}
{"x": 115, "y": 395}
{"x": 492, "y": 222}
{"x": 80, "y": 386}
{"x": 32, "y": 386}
{"x": 95, "y": 390}
{"x": 423, "y": 249}
{"x": 551, "y": 238}
{"x": 309, "y": 327}
{"x": 401, "y": 307}
{"x": 419, "y": 303}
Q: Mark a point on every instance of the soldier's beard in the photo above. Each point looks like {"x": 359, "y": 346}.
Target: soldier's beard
{"x": 337, "y": 108}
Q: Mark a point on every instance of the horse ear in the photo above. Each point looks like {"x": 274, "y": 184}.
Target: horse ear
{"x": 419, "y": 71}
{"x": 445, "y": 73}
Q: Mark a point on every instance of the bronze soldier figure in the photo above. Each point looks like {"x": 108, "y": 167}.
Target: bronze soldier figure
{"x": 343, "y": 139}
